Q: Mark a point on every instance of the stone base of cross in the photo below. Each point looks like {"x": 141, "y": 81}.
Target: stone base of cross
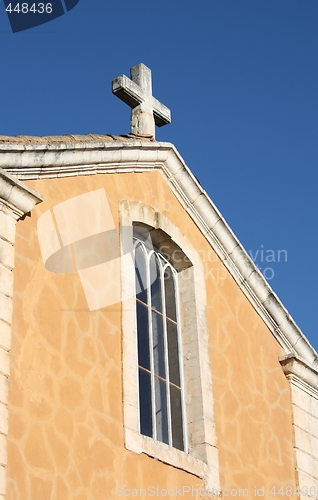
{"x": 137, "y": 93}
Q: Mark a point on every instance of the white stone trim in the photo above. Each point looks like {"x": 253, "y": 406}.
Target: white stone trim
{"x": 202, "y": 459}
{"x": 303, "y": 381}
{"x": 16, "y": 199}
{"x": 50, "y": 160}
{"x": 301, "y": 374}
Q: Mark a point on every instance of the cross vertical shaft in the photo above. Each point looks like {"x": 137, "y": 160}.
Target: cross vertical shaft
{"x": 141, "y": 75}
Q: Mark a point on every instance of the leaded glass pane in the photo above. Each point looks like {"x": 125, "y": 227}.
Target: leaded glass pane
{"x": 173, "y": 356}
{"x": 170, "y": 295}
{"x": 143, "y": 335}
{"x": 140, "y": 274}
{"x": 145, "y": 403}
{"x": 176, "y": 417}
{"x": 161, "y": 410}
{"x": 158, "y": 344}
{"x": 156, "y": 299}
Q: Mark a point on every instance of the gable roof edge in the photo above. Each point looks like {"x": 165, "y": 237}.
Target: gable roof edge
{"x": 49, "y": 160}
{"x": 240, "y": 264}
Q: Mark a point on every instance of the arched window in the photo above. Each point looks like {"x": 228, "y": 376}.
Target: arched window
{"x": 160, "y": 380}
{"x": 167, "y": 380}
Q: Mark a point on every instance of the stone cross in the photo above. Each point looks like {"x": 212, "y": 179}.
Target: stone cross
{"x": 137, "y": 93}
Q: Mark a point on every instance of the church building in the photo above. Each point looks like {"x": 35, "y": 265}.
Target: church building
{"x": 142, "y": 353}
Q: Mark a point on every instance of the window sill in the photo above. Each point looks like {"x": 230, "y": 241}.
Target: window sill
{"x": 143, "y": 444}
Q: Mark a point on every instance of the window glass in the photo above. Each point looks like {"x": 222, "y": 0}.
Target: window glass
{"x": 174, "y": 370}
{"x": 143, "y": 335}
{"x": 158, "y": 345}
{"x": 156, "y": 300}
{"x": 161, "y": 410}
{"x": 145, "y": 403}
{"x": 170, "y": 294}
{"x": 160, "y": 386}
{"x": 176, "y": 417}
{"x": 140, "y": 274}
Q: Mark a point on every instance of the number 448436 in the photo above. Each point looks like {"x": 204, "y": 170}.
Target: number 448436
{"x": 39, "y": 8}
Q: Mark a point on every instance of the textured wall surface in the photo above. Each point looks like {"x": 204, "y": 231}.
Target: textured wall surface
{"x": 65, "y": 404}
{"x": 252, "y": 397}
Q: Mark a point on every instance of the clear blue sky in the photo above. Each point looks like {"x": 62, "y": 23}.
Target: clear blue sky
{"x": 241, "y": 79}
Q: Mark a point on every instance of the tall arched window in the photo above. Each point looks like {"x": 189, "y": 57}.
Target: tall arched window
{"x": 164, "y": 313}
{"x": 161, "y": 398}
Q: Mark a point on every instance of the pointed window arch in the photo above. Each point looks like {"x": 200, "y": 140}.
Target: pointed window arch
{"x": 161, "y": 391}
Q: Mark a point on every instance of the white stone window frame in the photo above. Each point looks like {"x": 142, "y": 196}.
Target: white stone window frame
{"x": 201, "y": 458}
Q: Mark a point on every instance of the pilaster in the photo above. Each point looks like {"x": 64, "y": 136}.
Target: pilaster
{"x": 303, "y": 381}
{"x": 16, "y": 200}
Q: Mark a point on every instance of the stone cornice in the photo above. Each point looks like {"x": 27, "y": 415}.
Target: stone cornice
{"x": 299, "y": 373}
{"x": 29, "y": 160}
{"x": 15, "y": 196}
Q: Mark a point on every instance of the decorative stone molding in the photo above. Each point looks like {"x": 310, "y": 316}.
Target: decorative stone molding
{"x": 85, "y": 155}
{"x": 303, "y": 381}
{"x": 301, "y": 374}
{"x": 19, "y": 198}
{"x": 16, "y": 200}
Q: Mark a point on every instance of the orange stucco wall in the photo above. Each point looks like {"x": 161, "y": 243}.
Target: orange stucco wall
{"x": 66, "y": 437}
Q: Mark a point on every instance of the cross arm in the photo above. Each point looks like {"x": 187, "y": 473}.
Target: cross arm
{"x": 128, "y": 91}
{"x": 162, "y": 114}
